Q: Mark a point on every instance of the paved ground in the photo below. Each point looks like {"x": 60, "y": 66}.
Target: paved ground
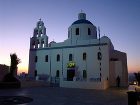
{"x": 66, "y": 96}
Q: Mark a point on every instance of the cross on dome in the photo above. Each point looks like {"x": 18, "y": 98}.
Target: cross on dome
{"x": 81, "y": 11}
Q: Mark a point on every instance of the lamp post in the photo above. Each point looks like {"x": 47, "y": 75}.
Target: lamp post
{"x": 50, "y": 69}
{"x": 99, "y": 53}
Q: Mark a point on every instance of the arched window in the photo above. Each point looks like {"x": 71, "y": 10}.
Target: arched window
{"x": 84, "y": 56}
{"x": 84, "y": 74}
{"x": 100, "y": 75}
{"x": 42, "y": 43}
{"x": 41, "y": 33}
{"x": 35, "y": 73}
{"x": 35, "y": 58}
{"x": 89, "y": 31}
{"x": 77, "y": 31}
{"x": 57, "y": 73}
{"x": 35, "y": 32}
{"x": 70, "y": 57}
{"x": 33, "y": 44}
{"x": 38, "y": 43}
{"x": 40, "y": 26}
{"x": 58, "y": 57}
{"x": 37, "y": 35}
{"x": 99, "y": 55}
{"x": 46, "y": 58}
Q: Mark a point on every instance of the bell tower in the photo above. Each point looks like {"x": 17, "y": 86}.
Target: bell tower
{"x": 39, "y": 39}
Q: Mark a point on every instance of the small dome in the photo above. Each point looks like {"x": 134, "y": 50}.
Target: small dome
{"x": 52, "y": 42}
{"x": 105, "y": 37}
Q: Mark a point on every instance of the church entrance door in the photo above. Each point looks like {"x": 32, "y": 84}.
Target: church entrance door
{"x": 70, "y": 74}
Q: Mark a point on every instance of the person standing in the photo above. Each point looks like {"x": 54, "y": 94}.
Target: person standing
{"x": 118, "y": 81}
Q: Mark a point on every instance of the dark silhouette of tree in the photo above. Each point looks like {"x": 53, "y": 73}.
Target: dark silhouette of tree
{"x": 14, "y": 62}
{"x": 10, "y": 77}
{"x": 10, "y": 80}
{"x": 137, "y": 76}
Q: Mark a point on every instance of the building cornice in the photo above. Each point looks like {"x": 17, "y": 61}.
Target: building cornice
{"x": 63, "y": 47}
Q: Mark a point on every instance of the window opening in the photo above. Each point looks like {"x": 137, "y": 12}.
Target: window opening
{"x": 89, "y": 31}
{"x": 46, "y": 58}
{"x": 57, "y": 73}
{"x": 58, "y": 57}
{"x": 70, "y": 57}
{"x": 84, "y": 74}
{"x": 84, "y": 56}
{"x": 77, "y": 31}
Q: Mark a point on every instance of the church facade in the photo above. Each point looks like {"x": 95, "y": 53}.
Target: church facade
{"x": 83, "y": 60}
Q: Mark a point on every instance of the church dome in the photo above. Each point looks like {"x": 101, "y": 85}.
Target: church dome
{"x": 82, "y": 29}
{"x": 82, "y": 21}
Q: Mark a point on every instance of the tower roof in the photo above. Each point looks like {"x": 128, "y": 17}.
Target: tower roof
{"x": 40, "y": 23}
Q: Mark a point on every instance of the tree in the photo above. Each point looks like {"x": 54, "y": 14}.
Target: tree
{"x": 9, "y": 80}
{"x": 137, "y": 76}
{"x": 10, "y": 77}
{"x": 14, "y": 62}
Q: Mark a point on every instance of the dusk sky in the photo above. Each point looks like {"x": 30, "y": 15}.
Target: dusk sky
{"x": 118, "y": 19}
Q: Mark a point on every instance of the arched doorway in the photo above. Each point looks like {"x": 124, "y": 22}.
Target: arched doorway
{"x": 57, "y": 73}
{"x": 70, "y": 74}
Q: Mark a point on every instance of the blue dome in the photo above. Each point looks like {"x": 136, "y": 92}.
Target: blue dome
{"x": 82, "y": 21}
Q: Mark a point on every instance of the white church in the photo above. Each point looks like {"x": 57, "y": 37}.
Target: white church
{"x": 83, "y": 60}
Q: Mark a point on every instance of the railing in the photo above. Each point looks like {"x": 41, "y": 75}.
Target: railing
{"x": 94, "y": 79}
{"x": 84, "y": 79}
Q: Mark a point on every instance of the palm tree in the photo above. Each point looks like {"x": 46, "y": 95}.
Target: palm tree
{"x": 14, "y": 62}
{"x": 137, "y": 76}
{"x": 10, "y": 77}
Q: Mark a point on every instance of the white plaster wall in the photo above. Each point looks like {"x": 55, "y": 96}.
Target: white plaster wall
{"x": 105, "y": 62}
{"x": 83, "y": 32}
{"x": 32, "y": 66}
{"x": 112, "y": 75}
{"x": 121, "y": 56}
{"x": 43, "y": 67}
{"x": 118, "y": 68}
{"x": 56, "y": 65}
{"x": 91, "y": 64}
{"x": 115, "y": 70}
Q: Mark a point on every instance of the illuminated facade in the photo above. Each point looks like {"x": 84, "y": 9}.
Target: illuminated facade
{"x": 82, "y": 61}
